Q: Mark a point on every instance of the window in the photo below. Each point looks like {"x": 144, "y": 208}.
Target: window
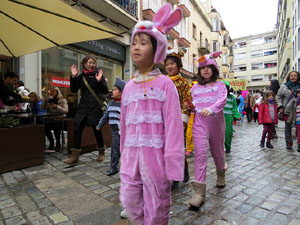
{"x": 257, "y": 66}
{"x": 194, "y": 32}
{"x": 239, "y": 56}
{"x": 241, "y": 44}
{"x": 225, "y": 40}
{"x": 231, "y": 67}
{"x": 298, "y": 38}
{"x": 270, "y": 65}
{"x": 257, "y": 53}
{"x": 240, "y": 68}
{"x": 257, "y": 41}
{"x": 214, "y": 23}
{"x": 201, "y": 44}
{"x": 272, "y": 51}
{"x": 225, "y": 59}
{"x": 255, "y": 78}
{"x": 298, "y": 64}
{"x": 215, "y": 46}
{"x": 225, "y": 75}
{"x": 298, "y": 10}
{"x": 230, "y": 50}
{"x": 270, "y": 39}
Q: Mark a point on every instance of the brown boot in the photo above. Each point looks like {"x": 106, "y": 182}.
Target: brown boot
{"x": 101, "y": 154}
{"x": 221, "y": 182}
{"x": 199, "y": 194}
{"x": 74, "y": 159}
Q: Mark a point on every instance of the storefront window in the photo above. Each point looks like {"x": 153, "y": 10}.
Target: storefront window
{"x": 56, "y": 64}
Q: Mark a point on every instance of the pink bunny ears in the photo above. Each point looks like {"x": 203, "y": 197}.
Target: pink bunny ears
{"x": 209, "y": 59}
{"x": 163, "y": 22}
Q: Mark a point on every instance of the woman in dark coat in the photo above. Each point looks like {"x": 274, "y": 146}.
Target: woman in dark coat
{"x": 89, "y": 110}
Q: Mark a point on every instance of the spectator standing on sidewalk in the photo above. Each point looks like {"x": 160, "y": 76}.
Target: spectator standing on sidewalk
{"x": 249, "y": 105}
{"x": 112, "y": 113}
{"x": 285, "y": 94}
{"x": 152, "y": 141}
{"x": 241, "y": 104}
{"x": 293, "y": 110}
{"x": 209, "y": 98}
{"x": 93, "y": 88}
{"x": 267, "y": 115}
{"x": 274, "y": 86}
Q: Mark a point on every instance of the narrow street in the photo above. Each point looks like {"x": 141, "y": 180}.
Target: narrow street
{"x": 262, "y": 188}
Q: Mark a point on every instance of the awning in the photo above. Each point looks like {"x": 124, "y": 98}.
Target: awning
{"x": 27, "y": 26}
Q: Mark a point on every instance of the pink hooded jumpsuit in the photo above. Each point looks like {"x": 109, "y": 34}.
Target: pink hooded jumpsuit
{"x": 152, "y": 148}
{"x": 208, "y": 132}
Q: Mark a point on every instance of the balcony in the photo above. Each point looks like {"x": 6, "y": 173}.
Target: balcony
{"x": 174, "y": 34}
{"x": 150, "y": 7}
{"x": 122, "y": 12}
{"x": 174, "y": 2}
{"x": 148, "y": 14}
{"x": 203, "y": 47}
{"x": 185, "y": 8}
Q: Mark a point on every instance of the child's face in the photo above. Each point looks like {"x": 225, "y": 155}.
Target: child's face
{"x": 141, "y": 51}
{"x": 171, "y": 67}
{"x": 298, "y": 95}
{"x": 270, "y": 97}
{"x": 206, "y": 72}
{"x": 116, "y": 93}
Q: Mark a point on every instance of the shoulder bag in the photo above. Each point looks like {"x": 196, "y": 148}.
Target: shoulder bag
{"x": 103, "y": 104}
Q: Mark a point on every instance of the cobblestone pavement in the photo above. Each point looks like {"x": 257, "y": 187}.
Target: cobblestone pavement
{"x": 262, "y": 188}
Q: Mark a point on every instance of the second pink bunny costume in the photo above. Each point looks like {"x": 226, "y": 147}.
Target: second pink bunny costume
{"x": 208, "y": 132}
{"x": 152, "y": 145}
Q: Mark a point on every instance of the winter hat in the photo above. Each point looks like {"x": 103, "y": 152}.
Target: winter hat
{"x": 163, "y": 22}
{"x": 120, "y": 84}
{"x": 171, "y": 52}
{"x": 209, "y": 59}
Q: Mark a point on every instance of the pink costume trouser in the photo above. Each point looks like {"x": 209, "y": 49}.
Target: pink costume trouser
{"x": 145, "y": 191}
{"x": 208, "y": 133}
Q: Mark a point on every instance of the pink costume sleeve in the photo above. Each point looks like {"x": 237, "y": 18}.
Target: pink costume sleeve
{"x": 174, "y": 139}
{"x": 122, "y": 124}
{"x": 222, "y": 98}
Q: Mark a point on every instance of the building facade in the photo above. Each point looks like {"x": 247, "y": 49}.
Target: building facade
{"x": 294, "y": 27}
{"x": 255, "y": 59}
{"x": 286, "y": 37}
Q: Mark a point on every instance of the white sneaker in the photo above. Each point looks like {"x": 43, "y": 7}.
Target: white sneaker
{"x": 123, "y": 214}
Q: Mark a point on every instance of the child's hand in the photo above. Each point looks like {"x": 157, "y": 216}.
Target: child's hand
{"x": 99, "y": 75}
{"x": 205, "y": 112}
{"x": 74, "y": 70}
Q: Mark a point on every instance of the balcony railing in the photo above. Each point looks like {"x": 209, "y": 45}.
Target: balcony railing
{"x": 131, "y": 6}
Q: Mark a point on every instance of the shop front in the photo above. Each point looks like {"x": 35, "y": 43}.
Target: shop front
{"x": 56, "y": 64}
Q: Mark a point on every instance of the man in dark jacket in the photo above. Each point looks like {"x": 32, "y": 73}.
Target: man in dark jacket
{"x": 7, "y": 93}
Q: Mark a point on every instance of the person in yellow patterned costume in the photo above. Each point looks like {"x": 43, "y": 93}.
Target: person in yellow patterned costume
{"x": 173, "y": 64}
{"x": 189, "y": 133}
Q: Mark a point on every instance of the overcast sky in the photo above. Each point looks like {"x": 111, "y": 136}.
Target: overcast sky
{"x": 247, "y": 17}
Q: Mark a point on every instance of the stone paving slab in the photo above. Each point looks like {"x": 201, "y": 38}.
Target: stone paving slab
{"x": 263, "y": 187}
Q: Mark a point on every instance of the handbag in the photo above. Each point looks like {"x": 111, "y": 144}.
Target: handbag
{"x": 280, "y": 116}
{"x": 103, "y": 104}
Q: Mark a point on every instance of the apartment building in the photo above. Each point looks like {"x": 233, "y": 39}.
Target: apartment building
{"x": 286, "y": 37}
{"x": 294, "y": 28}
{"x": 255, "y": 59}
{"x": 221, "y": 41}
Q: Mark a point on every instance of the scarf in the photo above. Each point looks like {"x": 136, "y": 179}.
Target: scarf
{"x": 89, "y": 72}
{"x": 271, "y": 101}
{"x": 293, "y": 86}
{"x": 173, "y": 78}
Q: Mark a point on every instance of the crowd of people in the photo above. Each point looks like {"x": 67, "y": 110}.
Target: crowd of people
{"x": 157, "y": 120}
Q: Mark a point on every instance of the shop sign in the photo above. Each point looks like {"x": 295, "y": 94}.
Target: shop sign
{"x": 105, "y": 47}
{"x": 60, "y": 82}
{"x": 238, "y": 84}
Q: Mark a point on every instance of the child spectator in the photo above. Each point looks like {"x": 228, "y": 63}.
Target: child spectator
{"x": 112, "y": 113}
{"x": 209, "y": 97}
{"x": 293, "y": 110}
{"x": 267, "y": 115}
{"x": 152, "y": 141}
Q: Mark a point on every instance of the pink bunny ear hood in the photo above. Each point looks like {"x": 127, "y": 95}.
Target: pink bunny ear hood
{"x": 163, "y": 21}
{"x": 209, "y": 59}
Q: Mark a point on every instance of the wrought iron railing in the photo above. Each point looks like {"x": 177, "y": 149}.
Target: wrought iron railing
{"x": 131, "y": 6}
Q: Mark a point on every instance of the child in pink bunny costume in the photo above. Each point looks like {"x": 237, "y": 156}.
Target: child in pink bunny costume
{"x": 209, "y": 98}
{"x": 152, "y": 144}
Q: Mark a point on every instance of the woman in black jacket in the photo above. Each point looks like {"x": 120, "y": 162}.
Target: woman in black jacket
{"x": 89, "y": 110}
